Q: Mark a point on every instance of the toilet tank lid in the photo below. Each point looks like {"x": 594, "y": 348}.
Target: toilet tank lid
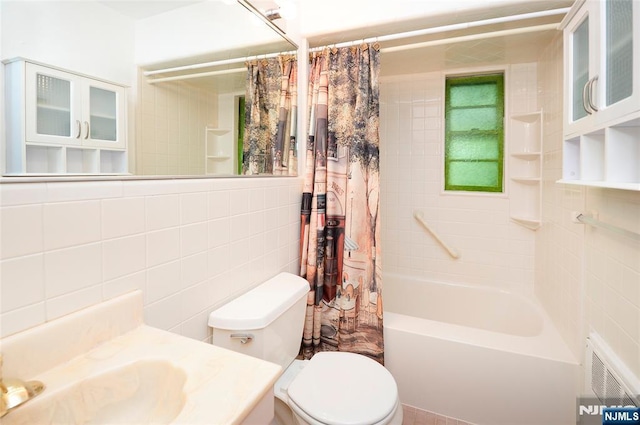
{"x": 261, "y": 305}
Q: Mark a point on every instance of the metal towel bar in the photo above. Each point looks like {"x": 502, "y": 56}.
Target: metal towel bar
{"x": 586, "y": 219}
{"x": 452, "y": 252}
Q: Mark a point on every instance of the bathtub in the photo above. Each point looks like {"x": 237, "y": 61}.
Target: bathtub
{"x": 479, "y": 354}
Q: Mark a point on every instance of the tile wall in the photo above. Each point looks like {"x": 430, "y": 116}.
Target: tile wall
{"x": 494, "y": 250}
{"x": 170, "y": 123}
{"x": 587, "y": 278}
{"x": 188, "y": 244}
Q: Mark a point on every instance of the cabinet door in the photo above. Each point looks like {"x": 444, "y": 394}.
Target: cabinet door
{"x": 618, "y": 85}
{"x": 580, "y": 67}
{"x": 103, "y": 115}
{"x": 52, "y": 106}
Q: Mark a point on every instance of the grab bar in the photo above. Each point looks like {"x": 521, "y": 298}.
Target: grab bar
{"x": 452, "y": 252}
{"x": 587, "y": 219}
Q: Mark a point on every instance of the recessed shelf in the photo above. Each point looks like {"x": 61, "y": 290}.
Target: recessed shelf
{"x": 525, "y": 167}
{"x": 526, "y": 180}
{"x": 530, "y": 156}
{"x": 530, "y": 223}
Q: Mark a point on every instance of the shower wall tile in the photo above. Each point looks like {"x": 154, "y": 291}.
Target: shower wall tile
{"x": 477, "y": 225}
{"x": 188, "y": 244}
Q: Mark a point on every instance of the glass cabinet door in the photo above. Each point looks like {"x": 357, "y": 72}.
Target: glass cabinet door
{"x": 580, "y": 69}
{"x": 103, "y": 115}
{"x": 103, "y": 119}
{"x": 51, "y": 107}
{"x": 619, "y": 50}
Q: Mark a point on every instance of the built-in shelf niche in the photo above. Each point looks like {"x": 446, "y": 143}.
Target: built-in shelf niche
{"x": 525, "y": 165}
{"x": 607, "y": 157}
{"x": 218, "y": 151}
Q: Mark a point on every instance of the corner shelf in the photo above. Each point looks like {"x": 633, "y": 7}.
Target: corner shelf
{"x": 525, "y": 169}
{"x": 218, "y": 150}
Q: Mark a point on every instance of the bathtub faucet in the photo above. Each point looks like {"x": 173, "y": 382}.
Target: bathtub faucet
{"x": 15, "y": 392}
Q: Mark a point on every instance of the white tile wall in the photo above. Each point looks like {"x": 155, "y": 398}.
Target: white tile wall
{"x": 189, "y": 244}
{"x": 494, "y": 250}
{"x": 588, "y": 279}
{"x": 171, "y": 118}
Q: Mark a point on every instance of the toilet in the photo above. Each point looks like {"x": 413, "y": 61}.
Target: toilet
{"x": 332, "y": 388}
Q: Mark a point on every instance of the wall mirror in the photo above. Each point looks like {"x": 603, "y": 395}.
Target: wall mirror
{"x": 184, "y": 62}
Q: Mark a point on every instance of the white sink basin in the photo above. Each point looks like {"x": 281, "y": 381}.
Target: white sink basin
{"x": 103, "y": 365}
{"x": 147, "y": 391}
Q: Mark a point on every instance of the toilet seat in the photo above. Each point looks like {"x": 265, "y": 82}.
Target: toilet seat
{"x": 336, "y": 388}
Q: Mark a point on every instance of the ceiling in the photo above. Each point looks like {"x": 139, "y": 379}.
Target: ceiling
{"x": 138, "y": 9}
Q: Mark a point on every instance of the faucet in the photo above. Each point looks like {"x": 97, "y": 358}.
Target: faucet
{"x": 15, "y": 392}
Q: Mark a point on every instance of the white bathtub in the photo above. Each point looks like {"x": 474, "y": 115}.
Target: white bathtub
{"x": 479, "y": 354}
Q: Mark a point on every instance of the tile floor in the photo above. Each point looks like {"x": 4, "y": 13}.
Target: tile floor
{"x": 414, "y": 416}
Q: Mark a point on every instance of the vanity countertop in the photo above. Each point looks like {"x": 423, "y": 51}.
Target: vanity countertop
{"x": 219, "y": 386}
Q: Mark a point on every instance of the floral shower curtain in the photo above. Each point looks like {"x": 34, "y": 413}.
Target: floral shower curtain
{"x": 340, "y": 222}
{"x": 269, "y": 144}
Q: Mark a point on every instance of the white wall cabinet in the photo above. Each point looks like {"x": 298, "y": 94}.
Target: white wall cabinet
{"x": 602, "y": 94}
{"x": 59, "y": 122}
{"x": 525, "y": 169}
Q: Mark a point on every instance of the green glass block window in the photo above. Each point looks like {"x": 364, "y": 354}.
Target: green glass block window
{"x": 474, "y": 133}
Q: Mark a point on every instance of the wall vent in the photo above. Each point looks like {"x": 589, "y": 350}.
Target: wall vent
{"x": 607, "y": 377}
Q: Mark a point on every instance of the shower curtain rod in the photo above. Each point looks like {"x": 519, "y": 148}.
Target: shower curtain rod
{"x": 198, "y": 75}
{"x": 452, "y": 27}
{"x": 391, "y": 37}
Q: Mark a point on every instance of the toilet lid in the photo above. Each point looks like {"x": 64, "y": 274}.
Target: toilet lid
{"x": 338, "y": 388}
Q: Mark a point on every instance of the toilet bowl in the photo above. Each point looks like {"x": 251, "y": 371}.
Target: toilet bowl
{"x": 332, "y": 388}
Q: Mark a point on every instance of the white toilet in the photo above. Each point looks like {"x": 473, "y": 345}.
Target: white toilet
{"x": 331, "y": 388}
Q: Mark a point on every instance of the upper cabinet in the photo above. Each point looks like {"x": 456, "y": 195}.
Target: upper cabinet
{"x": 602, "y": 94}
{"x": 602, "y": 45}
{"x": 59, "y": 122}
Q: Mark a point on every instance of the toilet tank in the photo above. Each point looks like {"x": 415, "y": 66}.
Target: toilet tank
{"x": 265, "y": 322}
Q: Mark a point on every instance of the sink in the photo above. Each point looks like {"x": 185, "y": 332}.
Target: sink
{"x": 103, "y": 365}
{"x": 146, "y": 391}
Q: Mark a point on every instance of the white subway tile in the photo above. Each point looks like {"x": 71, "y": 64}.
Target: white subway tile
{"x": 219, "y": 204}
{"x": 73, "y": 301}
{"x": 164, "y": 314}
{"x": 238, "y": 202}
{"x": 72, "y": 269}
{"x": 71, "y": 223}
{"x": 194, "y": 238}
{"x": 124, "y": 284}
{"x": 163, "y": 246}
{"x": 194, "y": 207}
{"x": 21, "y": 228}
{"x": 163, "y": 281}
{"x": 194, "y": 269}
{"x": 162, "y": 211}
{"x": 123, "y": 256}
{"x": 219, "y": 232}
{"x": 217, "y": 261}
{"x": 21, "y": 319}
{"x": 122, "y": 217}
{"x": 22, "y": 194}
{"x": 76, "y": 191}
{"x": 22, "y": 282}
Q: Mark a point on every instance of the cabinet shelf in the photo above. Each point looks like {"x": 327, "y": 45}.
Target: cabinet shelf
{"x": 218, "y": 157}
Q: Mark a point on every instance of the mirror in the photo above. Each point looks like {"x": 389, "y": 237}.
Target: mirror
{"x": 184, "y": 63}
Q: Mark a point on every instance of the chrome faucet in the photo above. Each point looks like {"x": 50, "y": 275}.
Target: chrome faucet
{"x": 16, "y": 392}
